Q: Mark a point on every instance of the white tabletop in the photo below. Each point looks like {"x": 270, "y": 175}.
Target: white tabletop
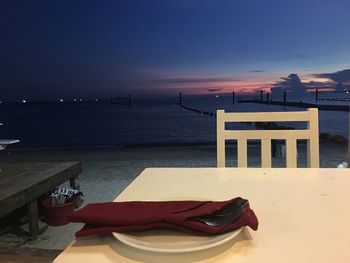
{"x": 304, "y": 215}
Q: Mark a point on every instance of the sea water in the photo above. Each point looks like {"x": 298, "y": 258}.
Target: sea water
{"x": 151, "y": 121}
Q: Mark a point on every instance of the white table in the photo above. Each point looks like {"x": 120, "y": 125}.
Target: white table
{"x": 304, "y": 215}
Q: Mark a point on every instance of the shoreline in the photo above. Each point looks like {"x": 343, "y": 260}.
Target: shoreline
{"x": 331, "y": 153}
{"x": 14, "y": 148}
{"x": 111, "y": 146}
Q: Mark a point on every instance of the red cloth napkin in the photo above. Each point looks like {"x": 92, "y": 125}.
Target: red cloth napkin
{"x": 135, "y": 216}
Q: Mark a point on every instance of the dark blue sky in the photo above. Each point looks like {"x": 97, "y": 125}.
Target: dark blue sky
{"x": 54, "y": 49}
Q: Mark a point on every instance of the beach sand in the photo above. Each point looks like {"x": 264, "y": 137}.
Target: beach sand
{"x": 108, "y": 170}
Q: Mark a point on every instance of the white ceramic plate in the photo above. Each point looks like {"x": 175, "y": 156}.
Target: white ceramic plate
{"x": 173, "y": 242}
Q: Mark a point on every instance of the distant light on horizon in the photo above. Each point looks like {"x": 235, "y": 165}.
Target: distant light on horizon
{"x": 24, "y": 101}
{"x": 75, "y": 99}
{"x": 80, "y": 100}
{"x": 61, "y": 100}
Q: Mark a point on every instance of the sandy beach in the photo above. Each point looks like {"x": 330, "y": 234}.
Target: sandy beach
{"x": 108, "y": 170}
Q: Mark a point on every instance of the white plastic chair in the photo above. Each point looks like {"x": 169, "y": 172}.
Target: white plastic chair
{"x": 291, "y": 136}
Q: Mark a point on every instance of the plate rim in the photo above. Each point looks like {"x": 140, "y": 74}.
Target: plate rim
{"x": 125, "y": 240}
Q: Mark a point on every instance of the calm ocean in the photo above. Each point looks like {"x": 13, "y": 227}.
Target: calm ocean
{"x": 145, "y": 122}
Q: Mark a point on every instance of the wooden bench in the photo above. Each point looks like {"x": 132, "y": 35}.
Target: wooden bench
{"x": 21, "y": 184}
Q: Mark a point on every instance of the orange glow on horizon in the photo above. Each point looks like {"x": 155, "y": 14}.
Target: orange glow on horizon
{"x": 242, "y": 84}
{"x": 306, "y": 79}
{"x": 223, "y": 87}
{"x": 320, "y": 90}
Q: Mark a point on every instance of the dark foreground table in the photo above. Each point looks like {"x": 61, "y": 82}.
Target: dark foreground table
{"x": 21, "y": 184}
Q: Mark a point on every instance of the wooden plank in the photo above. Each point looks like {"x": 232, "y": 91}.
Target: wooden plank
{"x": 266, "y": 153}
{"x": 220, "y": 141}
{"x": 291, "y": 153}
{"x": 267, "y": 134}
{"x": 242, "y": 153}
{"x": 266, "y": 116}
{"x": 27, "y": 175}
{"x": 52, "y": 182}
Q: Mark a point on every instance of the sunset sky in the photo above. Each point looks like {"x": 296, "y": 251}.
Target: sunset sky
{"x": 63, "y": 49}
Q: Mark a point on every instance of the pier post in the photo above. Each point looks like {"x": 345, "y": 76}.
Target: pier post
{"x": 233, "y": 97}
{"x": 284, "y": 96}
{"x": 180, "y": 98}
{"x": 261, "y": 95}
{"x": 267, "y": 97}
{"x": 316, "y": 95}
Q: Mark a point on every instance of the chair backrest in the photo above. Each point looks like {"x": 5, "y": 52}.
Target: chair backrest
{"x": 290, "y": 136}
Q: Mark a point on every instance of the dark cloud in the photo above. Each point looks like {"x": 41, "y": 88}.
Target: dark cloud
{"x": 214, "y": 89}
{"x": 319, "y": 85}
{"x": 249, "y": 90}
{"x": 244, "y": 90}
{"x": 196, "y": 80}
{"x": 258, "y": 70}
{"x": 339, "y": 76}
{"x": 339, "y": 86}
{"x": 291, "y": 83}
{"x": 339, "y": 81}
